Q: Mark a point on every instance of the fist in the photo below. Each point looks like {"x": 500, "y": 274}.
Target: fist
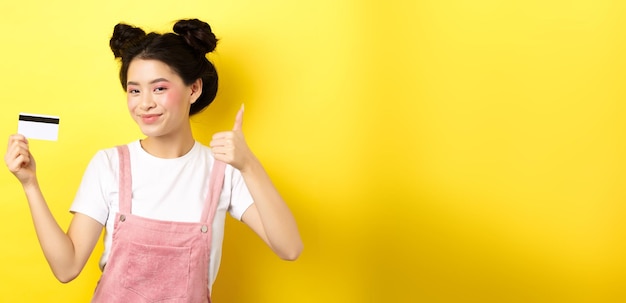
{"x": 19, "y": 160}
{"x": 230, "y": 146}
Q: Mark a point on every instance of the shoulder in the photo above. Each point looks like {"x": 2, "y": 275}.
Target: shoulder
{"x": 201, "y": 148}
{"x": 203, "y": 152}
{"x": 108, "y": 158}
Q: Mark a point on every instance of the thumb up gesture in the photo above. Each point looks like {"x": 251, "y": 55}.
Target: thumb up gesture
{"x": 230, "y": 146}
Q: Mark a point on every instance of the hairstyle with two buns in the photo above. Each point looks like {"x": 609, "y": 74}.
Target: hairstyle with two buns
{"x": 184, "y": 51}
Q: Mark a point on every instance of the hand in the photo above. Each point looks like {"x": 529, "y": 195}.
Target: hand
{"x": 19, "y": 159}
{"x": 230, "y": 146}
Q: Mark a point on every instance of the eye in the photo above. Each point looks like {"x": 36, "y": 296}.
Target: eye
{"x": 132, "y": 91}
{"x": 160, "y": 89}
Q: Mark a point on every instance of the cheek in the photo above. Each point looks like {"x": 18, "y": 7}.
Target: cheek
{"x": 173, "y": 98}
{"x": 131, "y": 102}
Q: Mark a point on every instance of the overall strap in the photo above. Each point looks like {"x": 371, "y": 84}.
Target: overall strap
{"x": 125, "y": 187}
{"x": 216, "y": 181}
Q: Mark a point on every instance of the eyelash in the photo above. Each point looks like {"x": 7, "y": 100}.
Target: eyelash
{"x": 156, "y": 89}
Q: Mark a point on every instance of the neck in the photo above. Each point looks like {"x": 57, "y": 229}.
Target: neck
{"x": 168, "y": 147}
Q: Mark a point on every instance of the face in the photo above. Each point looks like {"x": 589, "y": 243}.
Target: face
{"x": 158, "y": 99}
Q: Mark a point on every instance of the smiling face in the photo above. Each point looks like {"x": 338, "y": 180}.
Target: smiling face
{"x": 158, "y": 99}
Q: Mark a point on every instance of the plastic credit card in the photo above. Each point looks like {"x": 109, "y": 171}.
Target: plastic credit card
{"x": 35, "y": 126}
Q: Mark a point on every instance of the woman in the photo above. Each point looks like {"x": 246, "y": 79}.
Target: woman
{"x": 162, "y": 199}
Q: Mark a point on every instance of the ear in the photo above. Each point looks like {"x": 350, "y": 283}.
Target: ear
{"x": 196, "y": 90}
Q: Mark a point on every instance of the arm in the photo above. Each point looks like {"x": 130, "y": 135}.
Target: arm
{"x": 66, "y": 253}
{"x": 269, "y": 216}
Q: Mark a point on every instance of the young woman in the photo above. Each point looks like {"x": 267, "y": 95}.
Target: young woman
{"x": 162, "y": 200}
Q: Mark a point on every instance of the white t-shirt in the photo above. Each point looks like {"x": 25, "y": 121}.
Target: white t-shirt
{"x": 162, "y": 189}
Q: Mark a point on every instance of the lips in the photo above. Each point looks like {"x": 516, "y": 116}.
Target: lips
{"x": 149, "y": 118}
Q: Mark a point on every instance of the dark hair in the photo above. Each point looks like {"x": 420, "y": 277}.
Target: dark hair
{"x": 184, "y": 51}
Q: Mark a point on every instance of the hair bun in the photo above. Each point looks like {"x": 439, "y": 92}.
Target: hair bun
{"x": 123, "y": 36}
{"x": 197, "y": 34}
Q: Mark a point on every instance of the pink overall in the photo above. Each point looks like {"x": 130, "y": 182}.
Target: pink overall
{"x": 158, "y": 261}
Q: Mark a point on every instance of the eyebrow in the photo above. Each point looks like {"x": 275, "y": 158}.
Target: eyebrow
{"x": 151, "y": 82}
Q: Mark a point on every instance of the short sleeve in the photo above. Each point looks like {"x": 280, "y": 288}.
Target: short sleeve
{"x": 96, "y": 190}
{"x": 240, "y": 196}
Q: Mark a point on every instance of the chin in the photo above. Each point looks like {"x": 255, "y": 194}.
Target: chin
{"x": 150, "y": 131}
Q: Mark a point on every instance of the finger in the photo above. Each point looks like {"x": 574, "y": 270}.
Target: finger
{"x": 19, "y": 160}
{"x": 17, "y": 145}
{"x": 221, "y": 143}
{"x": 222, "y": 154}
{"x": 223, "y": 136}
{"x": 16, "y": 139}
{"x": 22, "y": 160}
{"x": 14, "y": 149}
{"x": 239, "y": 119}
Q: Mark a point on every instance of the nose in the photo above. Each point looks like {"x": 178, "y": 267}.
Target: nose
{"x": 146, "y": 102}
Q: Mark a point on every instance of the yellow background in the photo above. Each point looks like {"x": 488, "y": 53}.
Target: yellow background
{"x": 432, "y": 151}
